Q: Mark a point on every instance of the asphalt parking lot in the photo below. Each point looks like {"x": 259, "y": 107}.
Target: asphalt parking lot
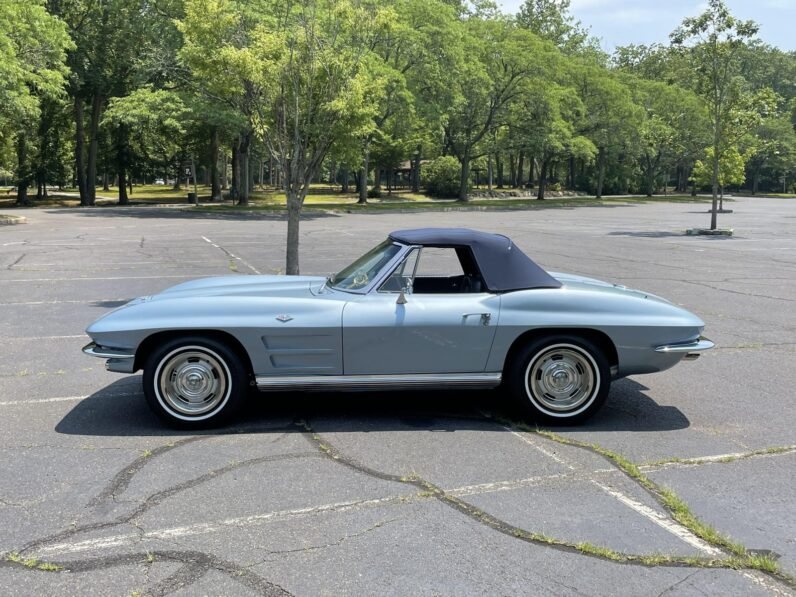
{"x": 394, "y": 493}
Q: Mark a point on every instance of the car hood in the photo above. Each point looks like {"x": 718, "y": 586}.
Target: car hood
{"x": 227, "y": 286}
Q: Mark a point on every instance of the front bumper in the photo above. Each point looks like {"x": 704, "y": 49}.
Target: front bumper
{"x": 120, "y": 361}
{"x": 692, "y": 350}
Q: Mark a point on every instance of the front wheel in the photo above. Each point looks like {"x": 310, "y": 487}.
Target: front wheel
{"x": 559, "y": 380}
{"x": 194, "y": 382}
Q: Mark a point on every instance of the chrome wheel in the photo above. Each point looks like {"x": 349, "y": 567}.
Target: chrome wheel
{"x": 562, "y": 379}
{"x": 192, "y": 382}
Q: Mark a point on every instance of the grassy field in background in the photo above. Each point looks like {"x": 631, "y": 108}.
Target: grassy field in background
{"x": 324, "y": 197}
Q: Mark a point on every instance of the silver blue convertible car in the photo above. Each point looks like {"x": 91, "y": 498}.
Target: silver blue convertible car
{"x": 426, "y": 308}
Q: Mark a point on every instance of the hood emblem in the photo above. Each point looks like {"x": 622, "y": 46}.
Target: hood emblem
{"x": 284, "y": 318}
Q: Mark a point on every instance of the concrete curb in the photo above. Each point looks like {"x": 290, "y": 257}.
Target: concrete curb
{"x": 709, "y": 232}
{"x": 11, "y": 220}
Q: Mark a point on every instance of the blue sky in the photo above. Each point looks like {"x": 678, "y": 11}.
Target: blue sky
{"x": 622, "y": 22}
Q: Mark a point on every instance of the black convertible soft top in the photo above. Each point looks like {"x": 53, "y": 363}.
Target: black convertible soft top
{"x": 503, "y": 266}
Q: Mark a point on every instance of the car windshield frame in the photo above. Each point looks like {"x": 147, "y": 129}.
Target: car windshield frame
{"x": 372, "y": 264}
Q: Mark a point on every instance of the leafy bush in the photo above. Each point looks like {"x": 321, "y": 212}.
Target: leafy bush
{"x": 374, "y": 193}
{"x": 441, "y": 177}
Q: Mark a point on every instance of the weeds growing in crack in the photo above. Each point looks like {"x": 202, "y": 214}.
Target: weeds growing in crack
{"x": 741, "y": 559}
{"x": 33, "y": 563}
{"x": 725, "y": 460}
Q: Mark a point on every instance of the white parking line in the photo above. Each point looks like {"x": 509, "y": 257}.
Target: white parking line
{"x": 64, "y": 302}
{"x": 64, "y": 399}
{"x": 212, "y": 527}
{"x": 229, "y": 253}
{"x": 91, "y": 279}
{"x": 661, "y": 520}
{"x": 18, "y": 338}
{"x": 697, "y": 460}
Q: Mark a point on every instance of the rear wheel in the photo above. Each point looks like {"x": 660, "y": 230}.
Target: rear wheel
{"x": 559, "y": 380}
{"x": 194, "y": 382}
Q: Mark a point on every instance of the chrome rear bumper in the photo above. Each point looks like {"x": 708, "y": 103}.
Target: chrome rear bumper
{"x": 692, "y": 350}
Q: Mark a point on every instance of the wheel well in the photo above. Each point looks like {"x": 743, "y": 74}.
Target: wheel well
{"x": 150, "y": 342}
{"x": 596, "y": 337}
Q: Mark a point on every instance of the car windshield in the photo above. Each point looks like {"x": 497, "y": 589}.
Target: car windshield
{"x": 360, "y": 273}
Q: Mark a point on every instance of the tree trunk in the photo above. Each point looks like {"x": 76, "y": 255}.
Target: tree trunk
{"x": 363, "y": 175}
{"x": 121, "y": 162}
{"x": 600, "y": 172}
{"x": 715, "y": 181}
{"x": 572, "y": 173}
{"x": 245, "y": 178}
{"x": 177, "y": 173}
{"x": 80, "y": 141}
{"x": 333, "y": 174}
{"x": 345, "y": 183}
{"x": 234, "y": 190}
{"x": 520, "y": 168}
{"x": 105, "y": 185}
{"x": 464, "y": 179}
{"x": 531, "y": 170}
{"x": 224, "y": 181}
{"x": 416, "y": 170}
{"x": 755, "y": 180}
{"x": 512, "y": 171}
{"x": 23, "y": 176}
{"x": 499, "y": 166}
{"x": 293, "y": 218}
{"x": 542, "y": 180}
{"x": 123, "y": 199}
{"x": 93, "y": 147}
{"x": 215, "y": 183}
{"x": 489, "y": 172}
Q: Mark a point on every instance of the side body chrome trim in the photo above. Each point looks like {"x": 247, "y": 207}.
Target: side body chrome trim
{"x": 379, "y": 382}
{"x": 93, "y": 350}
{"x": 696, "y": 346}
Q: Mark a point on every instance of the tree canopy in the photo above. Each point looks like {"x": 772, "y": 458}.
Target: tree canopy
{"x": 292, "y": 93}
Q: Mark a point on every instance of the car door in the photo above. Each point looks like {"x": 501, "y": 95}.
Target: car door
{"x": 440, "y": 332}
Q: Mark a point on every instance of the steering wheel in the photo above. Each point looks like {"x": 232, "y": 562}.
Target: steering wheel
{"x": 467, "y": 284}
{"x": 360, "y": 280}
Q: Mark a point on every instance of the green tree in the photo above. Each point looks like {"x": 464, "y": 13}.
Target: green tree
{"x": 713, "y": 41}
{"x": 486, "y": 82}
{"x": 552, "y": 20}
{"x": 771, "y": 147}
{"x": 33, "y": 46}
{"x": 731, "y": 170}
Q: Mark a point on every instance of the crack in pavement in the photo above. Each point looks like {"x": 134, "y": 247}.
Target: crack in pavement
{"x": 751, "y": 294}
{"x": 337, "y": 543}
{"x": 482, "y": 517}
{"x": 156, "y": 498}
{"x": 195, "y": 565}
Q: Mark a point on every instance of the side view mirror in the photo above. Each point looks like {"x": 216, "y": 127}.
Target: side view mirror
{"x": 406, "y": 288}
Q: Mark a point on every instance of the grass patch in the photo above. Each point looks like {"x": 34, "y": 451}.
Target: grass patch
{"x": 329, "y": 198}
{"x": 734, "y": 458}
{"x": 678, "y": 509}
{"x": 33, "y": 563}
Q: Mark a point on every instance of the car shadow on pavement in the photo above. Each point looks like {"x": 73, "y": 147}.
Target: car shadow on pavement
{"x": 120, "y": 410}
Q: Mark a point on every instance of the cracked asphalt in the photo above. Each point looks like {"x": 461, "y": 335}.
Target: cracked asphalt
{"x": 422, "y": 493}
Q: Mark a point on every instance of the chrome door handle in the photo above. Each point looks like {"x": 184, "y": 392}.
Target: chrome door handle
{"x": 485, "y": 317}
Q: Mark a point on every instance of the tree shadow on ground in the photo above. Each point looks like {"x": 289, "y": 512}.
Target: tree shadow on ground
{"x": 190, "y": 214}
{"x": 646, "y": 233}
{"x": 120, "y": 410}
